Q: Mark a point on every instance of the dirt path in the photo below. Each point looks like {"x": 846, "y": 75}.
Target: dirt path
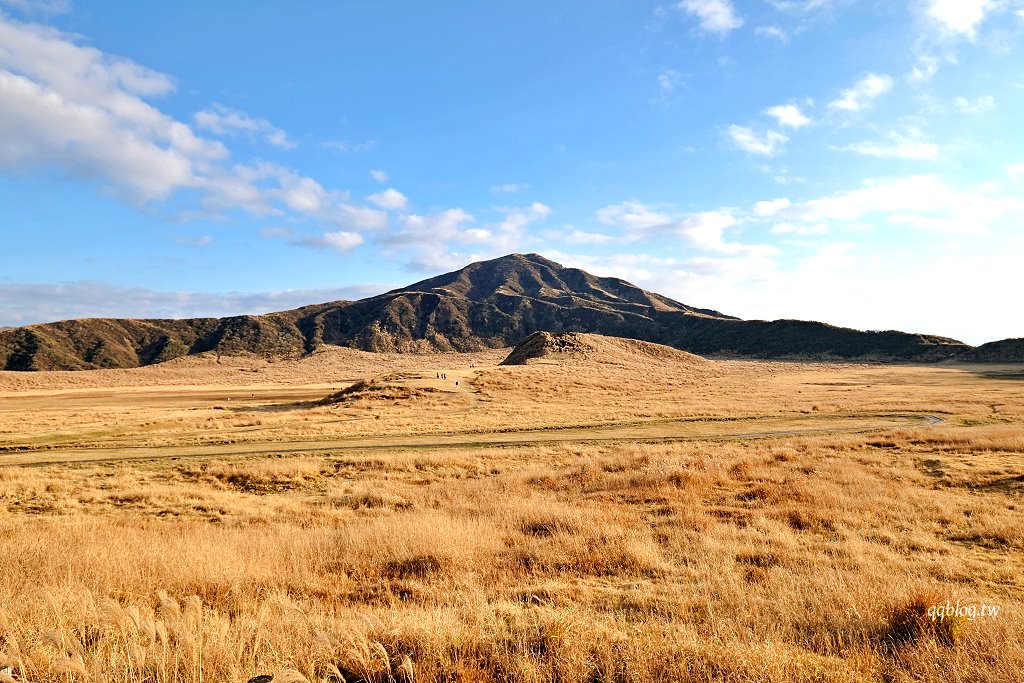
{"x": 646, "y": 431}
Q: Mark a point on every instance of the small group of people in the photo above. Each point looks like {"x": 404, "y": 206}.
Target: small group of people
{"x": 442, "y": 375}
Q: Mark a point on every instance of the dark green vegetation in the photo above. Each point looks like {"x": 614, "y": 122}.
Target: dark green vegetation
{"x": 489, "y": 304}
{"x": 1003, "y": 351}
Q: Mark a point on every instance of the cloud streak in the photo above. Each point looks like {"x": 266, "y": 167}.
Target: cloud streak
{"x": 767, "y": 144}
{"x": 895, "y": 147}
{"x": 959, "y": 16}
{"x": 86, "y": 113}
{"x": 222, "y": 120}
{"x": 923, "y": 202}
{"x": 82, "y": 111}
{"x": 863, "y": 93}
{"x": 26, "y": 304}
{"x": 715, "y": 16}
{"x": 703, "y": 231}
{"x": 788, "y": 115}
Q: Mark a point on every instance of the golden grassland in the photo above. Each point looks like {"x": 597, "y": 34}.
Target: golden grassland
{"x": 715, "y": 552}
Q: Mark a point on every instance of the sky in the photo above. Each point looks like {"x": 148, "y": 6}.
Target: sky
{"x": 857, "y": 162}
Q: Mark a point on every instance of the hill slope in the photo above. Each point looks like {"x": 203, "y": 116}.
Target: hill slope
{"x": 489, "y": 304}
{"x": 544, "y": 347}
{"x": 1002, "y": 351}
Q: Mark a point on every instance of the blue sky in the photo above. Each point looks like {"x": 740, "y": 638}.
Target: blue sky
{"x": 856, "y": 162}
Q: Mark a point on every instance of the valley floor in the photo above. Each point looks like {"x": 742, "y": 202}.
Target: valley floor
{"x": 621, "y": 516}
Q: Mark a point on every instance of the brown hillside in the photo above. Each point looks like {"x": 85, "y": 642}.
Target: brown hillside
{"x": 1002, "y": 351}
{"x": 544, "y": 347}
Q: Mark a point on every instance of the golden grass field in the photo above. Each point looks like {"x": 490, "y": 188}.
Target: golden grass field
{"x": 628, "y": 514}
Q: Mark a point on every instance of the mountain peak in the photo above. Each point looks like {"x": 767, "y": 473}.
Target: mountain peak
{"x": 533, "y": 258}
{"x": 539, "y": 278}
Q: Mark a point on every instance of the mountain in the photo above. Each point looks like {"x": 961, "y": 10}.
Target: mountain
{"x": 490, "y": 304}
{"x": 493, "y": 304}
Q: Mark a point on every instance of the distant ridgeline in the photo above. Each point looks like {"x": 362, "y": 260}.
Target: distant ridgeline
{"x": 490, "y": 304}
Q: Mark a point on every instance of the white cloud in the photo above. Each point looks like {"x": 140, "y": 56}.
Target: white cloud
{"x": 349, "y": 147}
{"x": 959, "y": 16}
{"x": 788, "y": 115}
{"x": 771, "y": 207}
{"x": 944, "y": 25}
{"x": 641, "y": 269}
{"x": 769, "y": 144}
{"x": 518, "y": 218}
{"x": 668, "y": 80}
{"x": 716, "y": 16}
{"x": 926, "y": 67}
{"x": 1016, "y": 170}
{"x": 479, "y": 235}
{"x": 433, "y": 242}
{"x": 438, "y": 228}
{"x": 772, "y": 31}
{"x": 916, "y": 193}
{"x": 359, "y": 217}
{"x": 828, "y": 258}
{"x": 342, "y": 241}
{"x": 924, "y": 202}
{"x": 38, "y": 6}
{"x": 379, "y": 175}
{"x": 582, "y": 237}
{"x": 264, "y": 188}
{"x": 862, "y": 93}
{"x": 42, "y": 129}
{"x": 717, "y": 282}
{"x": 704, "y": 230}
{"x": 941, "y": 224}
{"x": 896, "y": 147}
{"x": 633, "y": 216}
{"x": 509, "y": 188}
{"x": 437, "y": 258}
{"x": 303, "y": 195}
{"x": 390, "y": 199}
{"x": 803, "y": 230}
{"x": 222, "y": 120}
{"x": 511, "y": 231}
{"x": 979, "y": 105}
{"x": 79, "y": 110}
{"x": 84, "y": 113}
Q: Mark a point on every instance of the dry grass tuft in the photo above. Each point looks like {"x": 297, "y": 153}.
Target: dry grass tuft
{"x": 912, "y": 622}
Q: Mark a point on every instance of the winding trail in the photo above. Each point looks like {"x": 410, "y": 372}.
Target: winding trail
{"x": 658, "y": 431}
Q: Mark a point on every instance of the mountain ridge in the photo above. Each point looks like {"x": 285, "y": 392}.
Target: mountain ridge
{"x": 488, "y": 304}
